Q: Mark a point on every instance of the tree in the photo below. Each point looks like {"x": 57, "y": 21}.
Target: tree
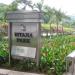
{"x": 50, "y": 13}
{"x": 59, "y": 16}
{"x": 13, "y": 6}
{"x": 3, "y": 8}
{"x": 39, "y": 5}
{"x": 26, "y": 3}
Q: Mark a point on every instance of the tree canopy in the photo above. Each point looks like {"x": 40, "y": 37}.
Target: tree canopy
{"x": 50, "y": 15}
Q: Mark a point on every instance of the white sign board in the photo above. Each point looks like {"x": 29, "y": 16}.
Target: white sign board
{"x": 23, "y": 51}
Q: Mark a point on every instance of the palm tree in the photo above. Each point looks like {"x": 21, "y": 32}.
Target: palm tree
{"x": 50, "y": 13}
{"x": 39, "y": 5}
{"x": 13, "y": 6}
{"x": 26, "y": 3}
{"x": 59, "y": 17}
{"x": 62, "y": 25}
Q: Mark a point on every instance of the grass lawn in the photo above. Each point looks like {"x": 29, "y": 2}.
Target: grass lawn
{"x": 67, "y": 29}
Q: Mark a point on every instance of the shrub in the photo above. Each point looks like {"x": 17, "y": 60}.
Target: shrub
{"x": 3, "y": 49}
{"x": 53, "y": 53}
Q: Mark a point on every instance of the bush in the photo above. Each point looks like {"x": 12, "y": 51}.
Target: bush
{"x": 3, "y": 49}
{"x": 53, "y": 53}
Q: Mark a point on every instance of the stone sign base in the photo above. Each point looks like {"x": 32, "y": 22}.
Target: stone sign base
{"x": 10, "y": 72}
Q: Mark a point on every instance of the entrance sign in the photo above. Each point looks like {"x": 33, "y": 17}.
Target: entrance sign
{"x": 24, "y": 34}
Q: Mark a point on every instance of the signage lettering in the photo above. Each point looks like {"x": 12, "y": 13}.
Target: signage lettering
{"x": 20, "y": 37}
{"x": 23, "y": 35}
{"x": 23, "y": 40}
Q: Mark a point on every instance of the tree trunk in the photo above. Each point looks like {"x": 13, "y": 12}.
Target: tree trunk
{"x": 57, "y": 28}
{"x": 50, "y": 30}
{"x": 62, "y": 30}
{"x": 24, "y": 7}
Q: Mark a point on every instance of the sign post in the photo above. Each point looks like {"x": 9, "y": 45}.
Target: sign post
{"x": 24, "y": 35}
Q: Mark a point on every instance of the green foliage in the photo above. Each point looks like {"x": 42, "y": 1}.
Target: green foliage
{"x": 54, "y": 52}
{"x": 3, "y": 47}
{"x": 12, "y": 6}
{"x": 3, "y": 9}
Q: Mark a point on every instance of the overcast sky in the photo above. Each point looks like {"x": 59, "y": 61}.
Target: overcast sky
{"x": 67, "y": 6}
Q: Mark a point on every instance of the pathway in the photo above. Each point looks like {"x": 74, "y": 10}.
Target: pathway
{"x": 10, "y": 72}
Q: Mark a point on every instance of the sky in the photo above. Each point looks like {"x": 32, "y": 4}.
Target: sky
{"x": 66, "y": 6}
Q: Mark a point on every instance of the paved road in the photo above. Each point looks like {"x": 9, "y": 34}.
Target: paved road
{"x": 10, "y": 72}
